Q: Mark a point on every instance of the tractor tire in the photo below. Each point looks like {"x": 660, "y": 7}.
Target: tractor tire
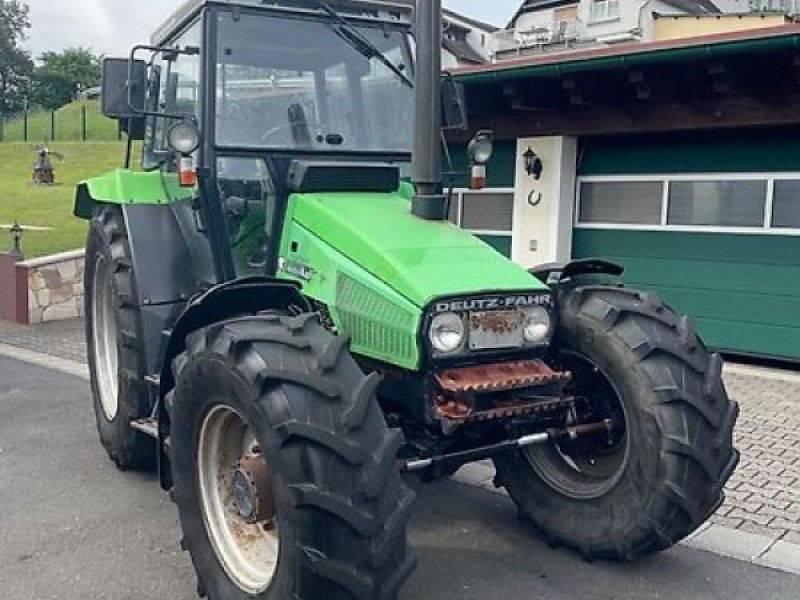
{"x": 662, "y": 476}
{"x": 114, "y": 342}
{"x": 288, "y": 390}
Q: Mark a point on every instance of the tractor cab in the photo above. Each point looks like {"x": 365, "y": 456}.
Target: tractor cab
{"x": 241, "y": 92}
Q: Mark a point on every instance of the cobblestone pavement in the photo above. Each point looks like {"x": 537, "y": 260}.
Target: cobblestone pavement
{"x": 763, "y": 496}
{"x": 65, "y": 339}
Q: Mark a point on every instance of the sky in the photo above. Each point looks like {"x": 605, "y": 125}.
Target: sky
{"x": 112, "y": 27}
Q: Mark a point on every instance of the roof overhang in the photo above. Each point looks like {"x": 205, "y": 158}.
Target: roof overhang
{"x": 749, "y": 78}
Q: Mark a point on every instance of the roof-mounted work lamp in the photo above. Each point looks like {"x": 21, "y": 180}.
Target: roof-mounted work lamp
{"x": 480, "y": 151}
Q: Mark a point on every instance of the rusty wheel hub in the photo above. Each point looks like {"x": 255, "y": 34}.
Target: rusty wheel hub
{"x": 252, "y": 491}
{"x": 235, "y": 488}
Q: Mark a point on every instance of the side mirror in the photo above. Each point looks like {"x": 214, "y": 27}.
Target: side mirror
{"x": 454, "y": 105}
{"x": 124, "y": 92}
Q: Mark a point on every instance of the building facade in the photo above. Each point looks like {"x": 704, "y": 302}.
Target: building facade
{"x": 560, "y": 25}
{"x": 678, "y": 158}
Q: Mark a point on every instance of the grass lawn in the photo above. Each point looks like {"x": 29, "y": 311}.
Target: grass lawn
{"x": 68, "y": 125}
{"x": 50, "y": 206}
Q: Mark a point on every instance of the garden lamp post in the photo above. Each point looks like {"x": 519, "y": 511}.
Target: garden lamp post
{"x": 16, "y": 238}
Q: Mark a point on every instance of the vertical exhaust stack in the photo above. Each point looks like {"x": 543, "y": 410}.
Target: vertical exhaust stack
{"x": 429, "y": 202}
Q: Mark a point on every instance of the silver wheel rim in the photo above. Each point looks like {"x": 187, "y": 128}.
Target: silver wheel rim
{"x": 248, "y": 553}
{"x": 104, "y": 336}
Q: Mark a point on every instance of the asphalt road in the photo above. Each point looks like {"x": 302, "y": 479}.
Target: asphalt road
{"x": 72, "y": 527}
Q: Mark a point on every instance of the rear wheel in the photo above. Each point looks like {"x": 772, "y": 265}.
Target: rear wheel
{"x": 284, "y": 470}
{"x": 660, "y": 472}
{"x": 113, "y": 336}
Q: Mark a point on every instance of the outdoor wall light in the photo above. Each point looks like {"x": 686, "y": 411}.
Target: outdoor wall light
{"x": 533, "y": 164}
{"x": 533, "y": 167}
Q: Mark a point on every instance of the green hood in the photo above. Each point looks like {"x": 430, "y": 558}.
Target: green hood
{"x": 421, "y": 260}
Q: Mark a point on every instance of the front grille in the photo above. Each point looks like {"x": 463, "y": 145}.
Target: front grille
{"x": 376, "y": 326}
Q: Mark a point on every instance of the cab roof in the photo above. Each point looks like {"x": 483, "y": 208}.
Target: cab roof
{"x": 381, "y": 11}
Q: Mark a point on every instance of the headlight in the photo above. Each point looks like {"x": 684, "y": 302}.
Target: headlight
{"x": 447, "y": 332}
{"x": 536, "y": 327}
{"x": 184, "y": 137}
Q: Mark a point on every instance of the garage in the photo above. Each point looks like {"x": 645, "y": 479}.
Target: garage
{"x": 712, "y": 224}
{"x": 680, "y": 161}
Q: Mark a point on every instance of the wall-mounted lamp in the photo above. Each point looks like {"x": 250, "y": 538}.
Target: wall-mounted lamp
{"x": 533, "y": 164}
{"x": 533, "y": 167}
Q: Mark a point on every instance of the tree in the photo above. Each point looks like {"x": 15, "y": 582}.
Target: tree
{"x": 16, "y": 66}
{"x": 51, "y": 90}
{"x": 79, "y": 65}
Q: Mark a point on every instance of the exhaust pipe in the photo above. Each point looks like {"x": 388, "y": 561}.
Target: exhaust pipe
{"x": 429, "y": 202}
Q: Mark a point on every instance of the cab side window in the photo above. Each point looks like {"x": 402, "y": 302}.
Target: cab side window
{"x": 176, "y": 90}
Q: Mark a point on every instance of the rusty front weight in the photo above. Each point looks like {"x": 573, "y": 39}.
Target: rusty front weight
{"x": 499, "y": 377}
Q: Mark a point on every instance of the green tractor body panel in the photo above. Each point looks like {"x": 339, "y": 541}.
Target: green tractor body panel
{"x": 377, "y": 267}
{"x": 123, "y": 186}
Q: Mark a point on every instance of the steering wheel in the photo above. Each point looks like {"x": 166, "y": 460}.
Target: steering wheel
{"x": 284, "y": 128}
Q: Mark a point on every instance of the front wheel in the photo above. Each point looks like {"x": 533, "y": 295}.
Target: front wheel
{"x": 660, "y": 473}
{"x": 284, "y": 470}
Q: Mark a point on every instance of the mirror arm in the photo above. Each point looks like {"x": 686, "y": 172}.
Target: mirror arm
{"x": 170, "y": 54}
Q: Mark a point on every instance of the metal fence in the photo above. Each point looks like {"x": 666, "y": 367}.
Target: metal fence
{"x": 78, "y": 123}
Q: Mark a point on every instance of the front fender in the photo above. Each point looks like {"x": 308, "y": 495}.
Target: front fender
{"x": 224, "y": 301}
{"x": 553, "y": 274}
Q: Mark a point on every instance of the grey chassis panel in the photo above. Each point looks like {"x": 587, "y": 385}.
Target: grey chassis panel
{"x": 171, "y": 258}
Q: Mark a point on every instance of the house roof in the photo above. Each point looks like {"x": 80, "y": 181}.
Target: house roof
{"x": 694, "y": 6}
{"x": 637, "y": 53}
{"x": 451, "y": 14}
{"x": 689, "y": 6}
{"x": 463, "y": 51}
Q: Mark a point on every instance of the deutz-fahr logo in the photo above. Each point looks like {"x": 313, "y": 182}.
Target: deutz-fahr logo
{"x": 296, "y": 269}
{"x": 494, "y": 303}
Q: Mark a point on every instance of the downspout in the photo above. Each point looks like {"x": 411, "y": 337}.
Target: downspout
{"x": 429, "y": 202}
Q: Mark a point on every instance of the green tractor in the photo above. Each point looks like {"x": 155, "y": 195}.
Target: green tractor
{"x": 283, "y": 322}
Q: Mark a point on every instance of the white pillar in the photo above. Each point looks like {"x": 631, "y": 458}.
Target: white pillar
{"x": 544, "y": 209}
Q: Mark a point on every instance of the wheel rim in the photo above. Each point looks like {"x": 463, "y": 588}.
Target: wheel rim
{"x": 104, "y": 335}
{"x": 579, "y": 470}
{"x": 247, "y": 551}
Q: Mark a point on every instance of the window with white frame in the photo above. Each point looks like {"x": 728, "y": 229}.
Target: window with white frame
{"x": 484, "y": 212}
{"x": 717, "y": 203}
{"x": 605, "y": 10}
{"x": 786, "y": 204}
{"x": 738, "y": 203}
{"x": 631, "y": 202}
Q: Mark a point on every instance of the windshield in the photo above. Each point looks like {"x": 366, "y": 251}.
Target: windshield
{"x": 295, "y": 84}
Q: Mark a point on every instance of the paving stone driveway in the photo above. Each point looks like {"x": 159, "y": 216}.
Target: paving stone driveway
{"x": 763, "y": 495}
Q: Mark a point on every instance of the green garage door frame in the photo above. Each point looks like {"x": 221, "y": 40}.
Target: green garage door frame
{"x": 743, "y": 289}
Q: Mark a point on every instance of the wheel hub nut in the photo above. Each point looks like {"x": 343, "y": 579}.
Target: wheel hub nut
{"x": 252, "y": 490}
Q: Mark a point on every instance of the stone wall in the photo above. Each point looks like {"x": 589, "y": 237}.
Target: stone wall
{"x": 55, "y": 286}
